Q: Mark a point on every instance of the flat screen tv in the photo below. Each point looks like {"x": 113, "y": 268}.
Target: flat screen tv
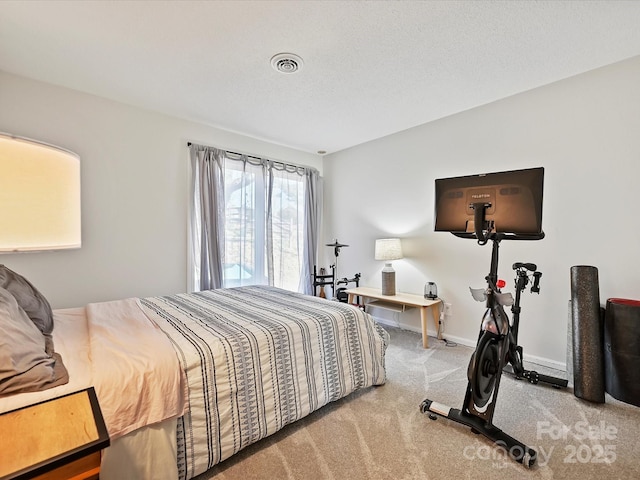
{"x": 504, "y": 202}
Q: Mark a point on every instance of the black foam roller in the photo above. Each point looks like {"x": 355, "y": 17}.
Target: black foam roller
{"x": 587, "y": 328}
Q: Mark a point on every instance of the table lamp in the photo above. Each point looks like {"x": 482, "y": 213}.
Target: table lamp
{"x": 388, "y": 249}
{"x": 39, "y": 196}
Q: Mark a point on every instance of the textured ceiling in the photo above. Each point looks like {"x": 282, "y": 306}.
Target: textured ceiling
{"x": 370, "y": 68}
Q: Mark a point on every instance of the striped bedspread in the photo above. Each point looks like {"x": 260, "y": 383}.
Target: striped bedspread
{"x": 258, "y": 358}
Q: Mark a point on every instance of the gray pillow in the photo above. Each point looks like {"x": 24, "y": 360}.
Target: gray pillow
{"x": 25, "y": 366}
{"x": 30, "y": 300}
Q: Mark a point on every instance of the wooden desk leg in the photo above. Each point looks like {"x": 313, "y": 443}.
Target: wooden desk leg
{"x": 435, "y": 311}
{"x": 350, "y": 299}
{"x": 423, "y": 317}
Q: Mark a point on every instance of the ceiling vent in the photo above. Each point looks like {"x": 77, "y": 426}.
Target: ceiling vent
{"x": 287, "y": 63}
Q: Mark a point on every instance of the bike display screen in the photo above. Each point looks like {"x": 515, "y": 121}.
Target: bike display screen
{"x": 512, "y": 202}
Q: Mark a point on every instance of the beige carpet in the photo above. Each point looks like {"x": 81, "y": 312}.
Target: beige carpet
{"x": 379, "y": 433}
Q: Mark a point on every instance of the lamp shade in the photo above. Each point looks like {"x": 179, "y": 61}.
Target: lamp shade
{"x": 39, "y": 196}
{"x": 388, "y": 249}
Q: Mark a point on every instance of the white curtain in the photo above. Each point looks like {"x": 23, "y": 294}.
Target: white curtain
{"x": 254, "y": 221}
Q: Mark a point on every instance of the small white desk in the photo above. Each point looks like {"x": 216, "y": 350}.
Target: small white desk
{"x": 405, "y": 300}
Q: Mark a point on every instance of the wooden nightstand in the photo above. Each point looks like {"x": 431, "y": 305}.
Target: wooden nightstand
{"x": 59, "y": 438}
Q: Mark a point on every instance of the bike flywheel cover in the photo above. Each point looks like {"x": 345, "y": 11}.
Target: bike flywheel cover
{"x": 484, "y": 369}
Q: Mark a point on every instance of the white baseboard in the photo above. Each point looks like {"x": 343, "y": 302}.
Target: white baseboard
{"x": 391, "y": 323}
{"x": 545, "y": 362}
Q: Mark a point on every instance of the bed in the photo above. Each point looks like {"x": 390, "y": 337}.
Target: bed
{"x": 187, "y": 380}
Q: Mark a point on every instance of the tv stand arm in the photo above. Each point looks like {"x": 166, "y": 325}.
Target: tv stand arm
{"x": 479, "y": 222}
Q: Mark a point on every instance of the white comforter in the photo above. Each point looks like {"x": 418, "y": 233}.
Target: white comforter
{"x": 136, "y": 373}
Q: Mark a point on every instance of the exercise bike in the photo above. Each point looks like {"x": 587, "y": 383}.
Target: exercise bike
{"x": 497, "y": 350}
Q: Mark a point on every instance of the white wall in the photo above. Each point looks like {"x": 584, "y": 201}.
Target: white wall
{"x": 134, "y": 169}
{"x": 585, "y": 132}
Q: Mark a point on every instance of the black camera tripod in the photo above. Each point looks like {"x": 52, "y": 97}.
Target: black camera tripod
{"x": 497, "y": 350}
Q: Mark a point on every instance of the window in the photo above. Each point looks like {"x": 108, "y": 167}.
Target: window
{"x": 260, "y": 213}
